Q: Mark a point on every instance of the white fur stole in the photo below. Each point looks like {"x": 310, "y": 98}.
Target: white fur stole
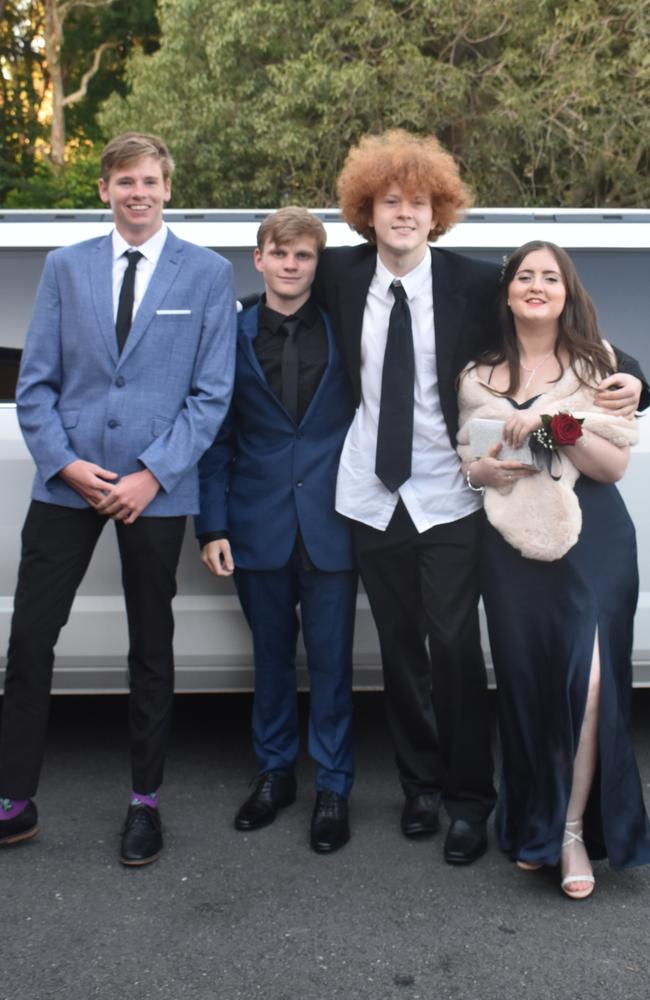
{"x": 538, "y": 515}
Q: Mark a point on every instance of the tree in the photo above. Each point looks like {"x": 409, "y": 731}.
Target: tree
{"x": 56, "y": 12}
{"x": 541, "y": 103}
{"x": 86, "y": 53}
{"x": 20, "y": 94}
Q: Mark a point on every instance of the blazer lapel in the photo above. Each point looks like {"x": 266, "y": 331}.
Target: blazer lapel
{"x": 167, "y": 270}
{"x": 353, "y": 293}
{"x": 101, "y": 285}
{"x": 332, "y": 356}
{"x": 448, "y": 310}
{"x": 247, "y": 331}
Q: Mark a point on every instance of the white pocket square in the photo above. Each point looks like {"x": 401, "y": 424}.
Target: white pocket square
{"x": 173, "y": 312}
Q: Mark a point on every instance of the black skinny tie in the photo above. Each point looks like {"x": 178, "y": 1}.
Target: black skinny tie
{"x": 395, "y": 430}
{"x": 290, "y": 365}
{"x": 125, "y": 303}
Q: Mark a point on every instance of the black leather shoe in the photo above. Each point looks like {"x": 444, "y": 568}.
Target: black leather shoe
{"x": 273, "y": 790}
{"x": 466, "y": 842}
{"x": 330, "y": 828}
{"x": 142, "y": 836}
{"x": 21, "y": 827}
{"x": 420, "y": 815}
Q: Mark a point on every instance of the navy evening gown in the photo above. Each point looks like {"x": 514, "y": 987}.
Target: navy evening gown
{"x": 542, "y": 620}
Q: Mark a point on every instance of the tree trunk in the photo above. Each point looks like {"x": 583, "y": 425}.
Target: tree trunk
{"x": 53, "y": 39}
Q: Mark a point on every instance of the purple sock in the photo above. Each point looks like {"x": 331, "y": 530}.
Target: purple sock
{"x": 11, "y": 807}
{"x": 151, "y": 800}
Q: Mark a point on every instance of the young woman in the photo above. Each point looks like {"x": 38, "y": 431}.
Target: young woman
{"x": 559, "y": 578}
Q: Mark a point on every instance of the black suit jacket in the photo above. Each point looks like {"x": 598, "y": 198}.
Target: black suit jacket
{"x": 464, "y": 312}
{"x": 464, "y": 315}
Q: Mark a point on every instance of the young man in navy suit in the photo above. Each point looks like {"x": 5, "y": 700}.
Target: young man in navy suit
{"x": 408, "y": 317}
{"x": 267, "y": 515}
{"x": 125, "y": 378}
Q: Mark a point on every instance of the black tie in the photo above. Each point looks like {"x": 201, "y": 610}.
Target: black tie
{"x": 395, "y": 430}
{"x": 290, "y": 366}
{"x": 125, "y": 304}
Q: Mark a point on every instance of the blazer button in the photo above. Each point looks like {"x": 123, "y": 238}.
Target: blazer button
{"x": 119, "y": 381}
{"x": 113, "y": 423}
{"x": 300, "y": 483}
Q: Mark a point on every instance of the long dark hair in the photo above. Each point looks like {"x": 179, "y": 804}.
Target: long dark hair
{"x": 578, "y": 332}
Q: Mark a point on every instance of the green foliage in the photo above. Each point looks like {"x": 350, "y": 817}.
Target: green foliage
{"x": 541, "y": 103}
{"x": 26, "y": 178}
{"x": 20, "y": 66}
{"x": 125, "y": 25}
{"x": 73, "y": 187}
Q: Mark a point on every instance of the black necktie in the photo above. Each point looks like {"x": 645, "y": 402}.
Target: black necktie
{"x": 290, "y": 366}
{"x": 395, "y": 430}
{"x": 125, "y": 304}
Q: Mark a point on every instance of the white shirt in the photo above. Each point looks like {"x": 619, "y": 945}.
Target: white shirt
{"x": 436, "y": 492}
{"x": 151, "y": 251}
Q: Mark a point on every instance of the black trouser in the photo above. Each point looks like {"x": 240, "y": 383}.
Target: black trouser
{"x": 57, "y": 544}
{"x": 424, "y": 587}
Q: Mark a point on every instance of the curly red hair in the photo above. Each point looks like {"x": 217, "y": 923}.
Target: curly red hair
{"x": 416, "y": 163}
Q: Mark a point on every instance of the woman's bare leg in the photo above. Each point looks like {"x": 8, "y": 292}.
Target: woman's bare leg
{"x": 574, "y": 858}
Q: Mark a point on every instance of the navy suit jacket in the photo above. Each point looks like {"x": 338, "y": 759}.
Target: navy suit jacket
{"x": 159, "y": 403}
{"x": 266, "y": 476}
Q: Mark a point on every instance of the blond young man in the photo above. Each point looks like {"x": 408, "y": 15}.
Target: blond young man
{"x": 125, "y": 378}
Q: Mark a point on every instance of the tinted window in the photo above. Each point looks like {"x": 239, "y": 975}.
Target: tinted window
{"x": 9, "y": 362}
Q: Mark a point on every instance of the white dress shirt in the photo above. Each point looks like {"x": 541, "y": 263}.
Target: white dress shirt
{"x": 436, "y": 492}
{"x": 151, "y": 251}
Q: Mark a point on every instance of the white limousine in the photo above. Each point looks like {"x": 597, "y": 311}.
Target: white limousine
{"x": 213, "y": 651}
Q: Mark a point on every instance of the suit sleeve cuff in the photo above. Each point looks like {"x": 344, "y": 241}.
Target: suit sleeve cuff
{"x": 211, "y": 536}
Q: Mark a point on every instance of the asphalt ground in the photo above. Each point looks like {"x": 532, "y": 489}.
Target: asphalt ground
{"x": 226, "y": 916}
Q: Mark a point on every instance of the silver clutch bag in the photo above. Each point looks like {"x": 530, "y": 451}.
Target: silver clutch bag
{"x": 484, "y": 434}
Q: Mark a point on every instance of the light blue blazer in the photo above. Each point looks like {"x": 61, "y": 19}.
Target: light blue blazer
{"x": 157, "y": 405}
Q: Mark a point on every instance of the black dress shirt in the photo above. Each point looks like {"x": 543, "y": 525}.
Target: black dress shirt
{"x": 313, "y": 355}
{"x": 312, "y": 350}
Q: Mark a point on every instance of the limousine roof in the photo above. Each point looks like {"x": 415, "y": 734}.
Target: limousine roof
{"x": 482, "y": 228}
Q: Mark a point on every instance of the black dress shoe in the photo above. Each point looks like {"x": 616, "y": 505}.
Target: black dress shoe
{"x": 466, "y": 842}
{"x": 420, "y": 815}
{"x": 21, "y": 827}
{"x": 142, "y": 836}
{"x": 330, "y": 828}
{"x": 273, "y": 790}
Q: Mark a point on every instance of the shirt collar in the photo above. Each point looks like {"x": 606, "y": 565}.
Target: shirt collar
{"x": 412, "y": 281}
{"x": 152, "y": 249}
{"x": 273, "y": 320}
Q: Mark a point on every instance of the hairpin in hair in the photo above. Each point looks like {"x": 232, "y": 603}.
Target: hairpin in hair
{"x": 504, "y": 264}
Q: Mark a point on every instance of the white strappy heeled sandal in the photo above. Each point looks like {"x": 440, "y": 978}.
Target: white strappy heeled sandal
{"x": 575, "y": 837}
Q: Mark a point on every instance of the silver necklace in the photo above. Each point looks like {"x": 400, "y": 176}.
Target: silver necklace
{"x": 533, "y": 371}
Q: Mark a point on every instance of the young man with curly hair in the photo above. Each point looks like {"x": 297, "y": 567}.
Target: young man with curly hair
{"x": 409, "y": 317}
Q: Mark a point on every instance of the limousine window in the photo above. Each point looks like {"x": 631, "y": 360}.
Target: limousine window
{"x": 9, "y": 364}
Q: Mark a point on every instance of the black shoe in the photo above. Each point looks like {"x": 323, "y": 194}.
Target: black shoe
{"x": 142, "y": 836}
{"x": 466, "y": 842}
{"x": 420, "y": 815}
{"x": 273, "y": 790}
{"x": 21, "y": 827}
{"x": 330, "y": 828}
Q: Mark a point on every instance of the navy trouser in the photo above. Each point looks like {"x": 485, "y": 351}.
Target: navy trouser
{"x": 269, "y": 599}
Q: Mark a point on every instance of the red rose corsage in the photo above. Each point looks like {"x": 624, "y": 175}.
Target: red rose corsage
{"x": 557, "y": 431}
